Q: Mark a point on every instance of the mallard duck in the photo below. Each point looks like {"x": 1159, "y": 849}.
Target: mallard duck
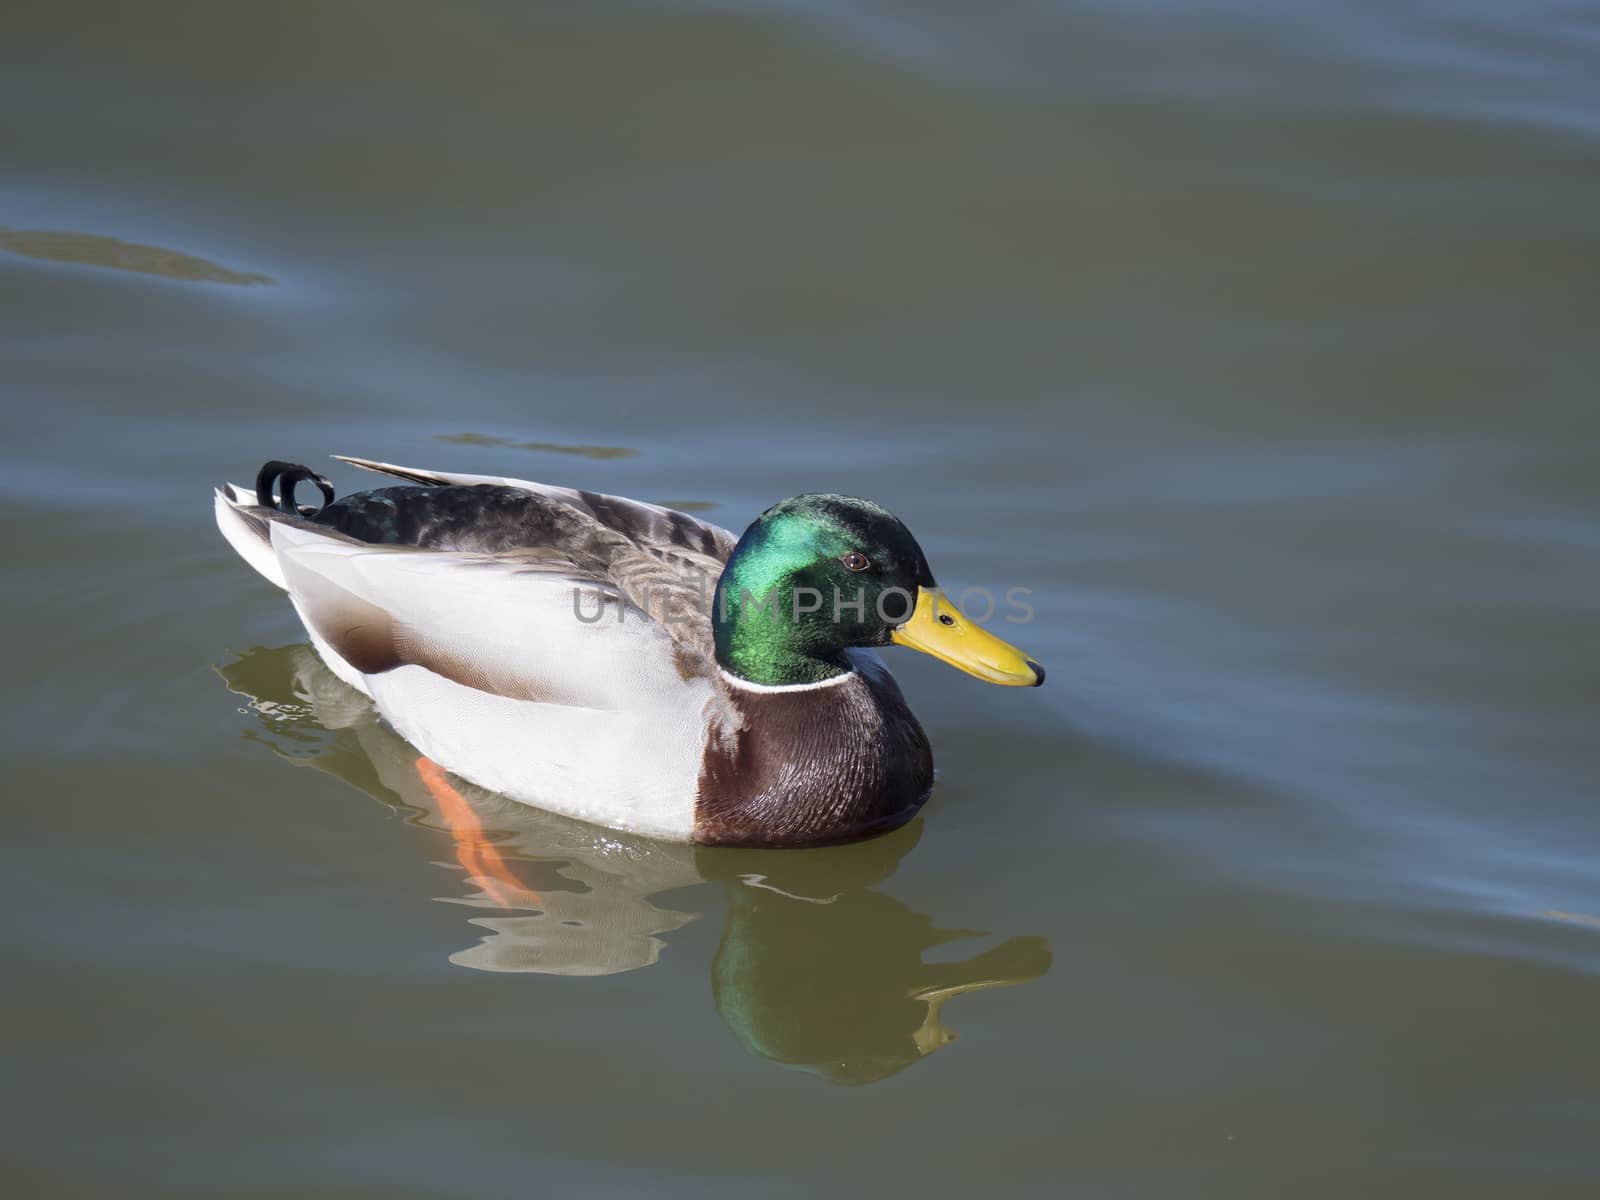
{"x": 620, "y": 662}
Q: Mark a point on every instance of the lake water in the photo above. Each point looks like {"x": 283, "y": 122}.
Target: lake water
{"x": 1257, "y": 340}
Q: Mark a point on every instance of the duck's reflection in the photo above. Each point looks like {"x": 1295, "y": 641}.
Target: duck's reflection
{"x": 814, "y": 968}
{"x": 817, "y": 970}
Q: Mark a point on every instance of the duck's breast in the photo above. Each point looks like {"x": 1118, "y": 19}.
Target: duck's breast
{"x": 813, "y": 764}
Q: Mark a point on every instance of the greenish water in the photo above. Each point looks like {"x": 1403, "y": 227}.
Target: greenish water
{"x": 1257, "y": 340}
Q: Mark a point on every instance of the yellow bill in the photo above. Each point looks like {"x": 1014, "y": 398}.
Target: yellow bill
{"x": 937, "y": 627}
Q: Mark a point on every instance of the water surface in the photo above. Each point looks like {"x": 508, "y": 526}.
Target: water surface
{"x": 1256, "y": 340}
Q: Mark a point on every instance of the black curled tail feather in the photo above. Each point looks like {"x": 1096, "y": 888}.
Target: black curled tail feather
{"x": 285, "y": 475}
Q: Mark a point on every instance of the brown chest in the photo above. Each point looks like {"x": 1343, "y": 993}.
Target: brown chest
{"x": 813, "y": 766}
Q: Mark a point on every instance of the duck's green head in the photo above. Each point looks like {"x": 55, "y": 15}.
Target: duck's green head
{"x": 819, "y": 574}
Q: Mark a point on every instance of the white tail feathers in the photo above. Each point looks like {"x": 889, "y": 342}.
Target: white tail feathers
{"x": 251, "y": 537}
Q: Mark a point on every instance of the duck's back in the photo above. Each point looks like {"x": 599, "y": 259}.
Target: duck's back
{"x": 492, "y": 518}
{"x": 478, "y": 518}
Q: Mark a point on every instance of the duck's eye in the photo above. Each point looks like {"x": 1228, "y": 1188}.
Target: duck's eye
{"x": 855, "y": 561}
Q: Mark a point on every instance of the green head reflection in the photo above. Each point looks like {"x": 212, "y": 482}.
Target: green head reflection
{"x": 815, "y": 969}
